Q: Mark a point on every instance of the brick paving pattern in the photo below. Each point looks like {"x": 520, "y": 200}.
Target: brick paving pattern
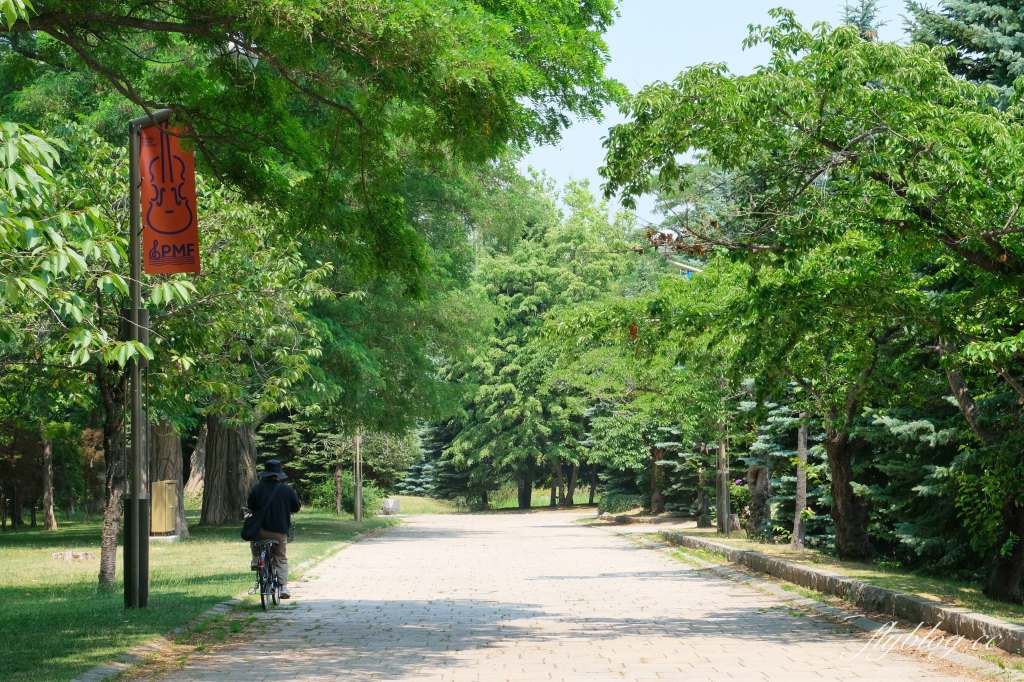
{"x": 535, "y": 597}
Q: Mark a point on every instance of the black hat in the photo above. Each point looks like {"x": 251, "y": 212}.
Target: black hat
{"x": 273, "y": 468}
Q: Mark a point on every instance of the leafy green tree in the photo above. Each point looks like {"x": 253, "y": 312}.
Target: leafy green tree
{"x": 242, "y": 346}
{"x": 663, "y": 353}
{"x": 520, "y": 416}
{"x": 50, "y": 248}
{"x": 233, "y": 351}
{"x": 63, "y": 291}
{"x": 300, "y": 442}
{"x": 333, "y": 95}
{"x": 844, "y": 136}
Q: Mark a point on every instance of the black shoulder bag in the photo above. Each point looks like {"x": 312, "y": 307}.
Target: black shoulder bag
{"x": 252, "y": 525}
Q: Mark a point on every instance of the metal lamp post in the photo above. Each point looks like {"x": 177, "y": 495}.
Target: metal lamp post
{"x": 136, "y": 550}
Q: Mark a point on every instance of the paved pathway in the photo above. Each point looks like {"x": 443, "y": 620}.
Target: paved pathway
{"x": 535, "y": 597}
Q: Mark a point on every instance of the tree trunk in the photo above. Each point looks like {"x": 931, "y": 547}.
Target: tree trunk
{"x": 95, "y": 476}
{"x": 561, "y": 483}
{"x": 49, "y": 520}
{"x": 484, "y": 502}
{"x": 571, "y": 491}
{"x": 593, "y": 482}
{"x": 849, "y": 514}
{"x": 759, "y": 518}
{"x": 116, "y": 473}
{"x": 703, "y": 506}
{"x": 32, "y": 513}
{"x": 230, "y": 471}
{"x": 165, "y": 464}
{"x": 554, "y": 491}
{"x": 526, "y": 489}
{"x": 657, "y": 474}
{"x": 197, "y": 463}
{"x": 15, "y": 508}
{"x": 800, "y": 504}
{"x": 3, "y": 510}
{"x": 723, "y": 500}
{"x": 337, "y": 487}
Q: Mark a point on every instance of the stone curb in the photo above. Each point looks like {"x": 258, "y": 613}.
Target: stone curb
{"x": 629, "y": 520}
{"x": 952, "y": 619}
{"x": 142, "y": 652}
{"x": 859, "y": 621}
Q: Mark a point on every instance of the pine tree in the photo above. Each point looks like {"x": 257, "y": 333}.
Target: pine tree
{"x": 433, "y": 474}
{"x": 419, "y": 479}
{"x": 864, "y": 16}
{"x": 988, "y": 36}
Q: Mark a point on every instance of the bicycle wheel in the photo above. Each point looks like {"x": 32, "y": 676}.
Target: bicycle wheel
{"x": 265, "y": 582}
{"x": 276, "y": 587}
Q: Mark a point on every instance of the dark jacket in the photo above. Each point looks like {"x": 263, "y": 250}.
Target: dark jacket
{"x": 284, "y": 504}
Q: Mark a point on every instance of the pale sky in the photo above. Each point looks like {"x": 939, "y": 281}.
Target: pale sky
{"x": 656, "y": 39}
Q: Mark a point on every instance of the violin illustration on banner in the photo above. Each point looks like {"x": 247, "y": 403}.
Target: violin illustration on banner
{"x": 169, "y": 224}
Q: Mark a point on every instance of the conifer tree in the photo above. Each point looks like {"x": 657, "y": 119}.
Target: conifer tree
{"x": 988, "y": 36}
{"x": 864, "y": 15}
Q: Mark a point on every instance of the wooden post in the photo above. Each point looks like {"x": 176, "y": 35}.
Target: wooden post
{"x": 723, "y": 504}
{"x": 49, "y": 519}
{"x": 357, "y": 471}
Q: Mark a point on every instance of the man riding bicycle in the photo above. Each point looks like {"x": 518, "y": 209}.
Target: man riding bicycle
{"x": 280, "y": 502}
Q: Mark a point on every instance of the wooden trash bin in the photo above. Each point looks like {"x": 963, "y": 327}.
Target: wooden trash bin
{"x": 164, "y": 499}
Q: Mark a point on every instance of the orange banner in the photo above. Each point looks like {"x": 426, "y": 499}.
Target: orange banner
{"x": 170, "y": 231}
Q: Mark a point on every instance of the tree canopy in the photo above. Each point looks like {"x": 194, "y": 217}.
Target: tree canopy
{"x": 317, "y": 107}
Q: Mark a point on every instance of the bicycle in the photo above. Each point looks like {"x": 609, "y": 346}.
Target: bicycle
{"x": 266, "y": 572}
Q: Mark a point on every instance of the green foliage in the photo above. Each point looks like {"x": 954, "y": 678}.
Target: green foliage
{"x": 870, "y": 201}
{"x": 617, "y": 503}
{"x": 775, "y": 447}
{"x": 418, "y": 480}
{"x": 439, "y": 476}
{"x": 864, "y": 17}
{"x": 986, "y": 34}
{"x": 739, "y": 498}
{"x": 56, "y": 253}
{"x": 320, "y": 495}
{"x": 522, "y": 415}
{"x": 316, "y": 107}
{"x": 355, "y": 162}
{"x": 13, "y": 10}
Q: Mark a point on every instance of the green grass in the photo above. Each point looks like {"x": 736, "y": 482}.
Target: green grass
{"x": 508, "y": 498}
{"x": 56, "y": 623}
{"x": 962, "y": 594}
{"x": 409, "y": 504}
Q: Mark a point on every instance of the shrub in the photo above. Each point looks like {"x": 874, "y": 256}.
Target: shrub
{"x": 739, "y": 496}
{"x": 616, "y": 504}
{"x": 321, "y": 494}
